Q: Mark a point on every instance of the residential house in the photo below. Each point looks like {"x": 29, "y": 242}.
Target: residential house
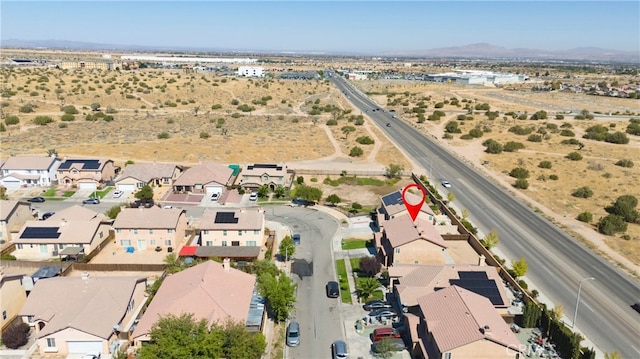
{"x": 211, "y": 291}
{"x": 86, "y": 173}
{"x": 457, "y": 323}
{"x": 208, "y": 177}
{"x": 150, "y": 228}
{"x": 13, "y": 215}
{"x": 402, "y": 240}
{"x": 12, "y": 297}
{"x": 393, "y": 206}
{"x": 258, "y": 174}
{"x": 29, "y": 171}
{"x": 136, "y": 176}
{"x": 79, "y": 315}
{"x": 74, "y": 231}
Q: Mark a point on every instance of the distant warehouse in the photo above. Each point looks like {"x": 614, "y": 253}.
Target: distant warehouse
{"x": 251, "y": 71}
{"x": 477, "y": 78}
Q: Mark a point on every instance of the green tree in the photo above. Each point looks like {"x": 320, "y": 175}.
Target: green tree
{"x": 356, "y": 152}
{"x": 287, "y": 248}
{"x": 308, "y": 193}
{"x": 493, "y": 147}
{"x": 113, "y": 212}
{"x": 586, "y": 217}
{"x": 393, "y": 170}
{"x": 490, "y": 240}
{"x": 279, "y": 293}
{"x": 367, "y": 286}
{"x": 171, "y": 261}
{"x": 280, "y": 192}
{"x": 334, "y": 199}
{"x": 625, "y": 207}
{"x": 238, "y": 343}
{"x": 347, "y": 130}
{"x": 263, "y": 191}
{"x": 611, "y": 225}
{"x": 451, "y": 197}
{"x": 521, "y": 183}
{"x": 531, "y": 315}
{"x": 519, "y": 268}
{"x": 145, "y": 193}
{"x": 95, "y": 106}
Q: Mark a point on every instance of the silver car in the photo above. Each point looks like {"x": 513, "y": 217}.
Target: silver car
{"x": 293, "y": 334}
{"x": 339, "y": 350}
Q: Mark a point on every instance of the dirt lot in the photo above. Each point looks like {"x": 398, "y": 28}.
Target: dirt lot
{"x": 185, "y": 117}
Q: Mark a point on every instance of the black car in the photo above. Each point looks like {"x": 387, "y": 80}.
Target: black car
{"x": 636, "y": 306}
{"x": 376, "y": 304}
{"x": 333, "y": 289}
{"x": 36, "y": 199}
{"x": 47, "y": 215}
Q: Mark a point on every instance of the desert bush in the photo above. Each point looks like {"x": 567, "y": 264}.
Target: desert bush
{"x": 552, "y": 126}
{"x": 521, "y": 183}
{"x": 595, "y": 166}
{"x": 204, "y": 135}
{"x": 633, "y": 128}
{"x": 617, "y": 138}
{"x": 567, "y": 133}
{"x": 493, "y": 146}
{"x": 611, "y": 225}
{"x": 62, "y": 125}
{"x": 466, "y": 136}
{"x": 519, "y": 130}
{"x": 452, "y": 127}
{"x": 574, "y": 156}
{"x": 597, "y": 132}
{"x": 16, "y": 335}
{"x": 235, "y": 102}
{"x": 476, "y": 133}
{"x": 553, "y": 177}
{"x": 512, "y": 146}
{"x": 583, "y": 192}
{"x": 12, "y": 120}
{"x": 519, "y": 172}
{"x": 571, "y": 141}
{"x": 622, "y": 163}
{"x": 356, "y": 152}
{"x": 216, "y": 106}
{"x": 540, "y": 115}
{"x": 365, "y": 140}
{"x": 3, "y": 128}
{"x": 111, "y": 110}
{"x": 163, "y": 136}
{"x": 625, "y": 207}
{"x": 332, "y": 122}
{"x": 42, "y": 120}
{"x": 68, "y": 117}
{"x": 545, "y": 164}
{"x": 27, "y": 108}
{"x": 70, "y": 109}
{"x": 236, "y": 115}
{"x": 34, "y": 93}
{"x": 586, "y": 217}
{"x": 95, "y": 106}
{"x": 534, "y": 138}
{"x": 246, "y": 108}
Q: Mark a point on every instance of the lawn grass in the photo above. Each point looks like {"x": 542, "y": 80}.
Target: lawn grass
{"x": 68, "y": 194}
{"x": 101, "y": 193}
{"x": 349, "y": 243}
{"x": 355, "y": 264}
{"x": 345, "y": 291}
{"x": 378, "y": 294}
{"x": 50, "y": 192}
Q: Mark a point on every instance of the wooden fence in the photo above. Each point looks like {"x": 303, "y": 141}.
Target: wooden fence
{"x": 348, "y": 173}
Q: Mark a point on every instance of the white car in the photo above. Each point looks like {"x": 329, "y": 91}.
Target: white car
{"x": 117, "y": 194}
{"x": 446, "y": 184}
{"x": 253, "y": 196}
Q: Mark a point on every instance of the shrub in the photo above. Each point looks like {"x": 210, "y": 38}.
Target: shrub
{"x": 519, "y": 130}
{"x": 476, "y": 133}
{"x": 583, "y": 192}
{"x": 12, "y": 120}
{"x": 452, "y": 127}
{"x": 163, "y": 136}
{"x": 567, "y": 133}
{"x": 512, "y": 146}
{"x": 42, "y": 120}
{"x": 617, "y": 138}
{"x": 68, "y": 117}
{"x": 545, "y": 164}
{"x": 553, "y": 177}
{"x": 611, "y": 225}
{"x": 70, "y": 109}
{"x": 28, "y": 108}
{"x": 572, "y": 141}
{"x": 204, "y": 135}
{"x": 365, "y": 140}
{"x": 521, "y": 183}
{"x": 216, "y": 106}
{"x": 534, "y": 138}
{"x": 519, "y": 172}
{"x": 235, "y": 102}
{"x": 492, "y": 146}
{"x": 332, "y": 122}
{"x": 356, "y": 152}
{"x": 621, "y": 163}
{"x": 16, "y": 336}
{"x": 586, "y": 217}
{"x": 574, "y": 156}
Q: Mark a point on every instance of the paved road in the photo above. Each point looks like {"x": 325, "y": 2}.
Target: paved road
{"x": 557, "y": 261}
{"x": 311, "y": 268}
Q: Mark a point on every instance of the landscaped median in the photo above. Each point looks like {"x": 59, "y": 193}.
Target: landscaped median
{"x": 345, "y": 290}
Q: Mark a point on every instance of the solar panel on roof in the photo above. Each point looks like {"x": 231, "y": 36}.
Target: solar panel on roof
{"x": 40, "y": 232}
{"x": 86, "y": 164}
{"x": 472, "y": 275}
{"x": 484, "y": 287}
{"x": 392, "y": 198}
{"x": 225, "y": 217}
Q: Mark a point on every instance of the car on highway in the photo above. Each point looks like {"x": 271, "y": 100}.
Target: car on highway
{"x": 215, "y": 196}
{"x": 333, "y": 289}
{"x": 394, "y": 344}
{"x": 446, "y": 184}
{"x": 91, "y": 201}
{"x": 36, "y": 199}
{"x": 376, "y": 304}
{"x": 339, "y": 350}
{"x": 293, "y": 334}
{"x": 117, "y": 194}
{"x": 381, "y": 314}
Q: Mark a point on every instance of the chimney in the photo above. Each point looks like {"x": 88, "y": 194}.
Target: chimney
{"x": 226, "y": 264}
{"x": 481, "y": 260}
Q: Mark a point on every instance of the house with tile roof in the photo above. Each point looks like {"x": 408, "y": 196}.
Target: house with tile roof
{"x": 86, "y": 173}
{"x": 211, "y": 291}
{"x": 136, "y": 176}
{"x": 79, "y": 315}
{"x": 13, "y": 215}
{"x": 29, "y": 171}
{"x": 392, "y": 206}
{"x": 207, "y": 177}
{"x": 270, "y": 174}
{"x": 149, "y": 228}
{"x": 458, "y": 323}
{"x": 402, "y": 240}
{"x": 12, "y": 296}
{"x": 75, "y": 230}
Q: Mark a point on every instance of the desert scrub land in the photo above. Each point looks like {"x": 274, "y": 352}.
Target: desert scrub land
{"x": 544, "y": 128}
{"x": 178, "y": 116}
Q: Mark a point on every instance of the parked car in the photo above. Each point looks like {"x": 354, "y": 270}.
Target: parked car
{"x": 333, "y": 289}
{"x": 376, "y": 304}
{"x": 117, "y": 194}
{"x": 296, "y": 239}
{"x": 339, "y": 350}
{"x": 395, "y": 344}
{"x": 36, "y": 199}
{"x": 381, "y": 314}
{"x": 446, "y": 184}
{"x": 215, "y": 196}
{"x": 293, "y": 334}
{"x": 47, "y": 215}
{"x": 91, "y": 356}
{"x": 91, "y": 201}
{"x": 253, "y": 196}
{"x": 384, "y": 333}
{"x": 146, "y": 203}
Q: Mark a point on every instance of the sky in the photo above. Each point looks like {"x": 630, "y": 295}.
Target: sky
{"x": 328, "y": 26}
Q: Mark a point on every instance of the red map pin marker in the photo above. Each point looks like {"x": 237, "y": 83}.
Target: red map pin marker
{"x": 413, "y": 208}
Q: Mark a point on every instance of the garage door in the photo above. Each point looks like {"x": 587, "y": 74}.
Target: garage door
{"x": 12, "y": 184}
{"x": 84, "y": 347}
{"x": 126, "y": 187}
{"x": 214, "y": 189}
{"x": 87, "y": 185}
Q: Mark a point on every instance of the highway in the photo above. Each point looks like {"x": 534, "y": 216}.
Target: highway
{"x": 557, "y": 261}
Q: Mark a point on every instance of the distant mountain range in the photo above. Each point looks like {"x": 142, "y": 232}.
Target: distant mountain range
{"x": 472, "y": 51}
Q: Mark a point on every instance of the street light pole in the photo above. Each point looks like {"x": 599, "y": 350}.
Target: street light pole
{"x": 575, "y": 314}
